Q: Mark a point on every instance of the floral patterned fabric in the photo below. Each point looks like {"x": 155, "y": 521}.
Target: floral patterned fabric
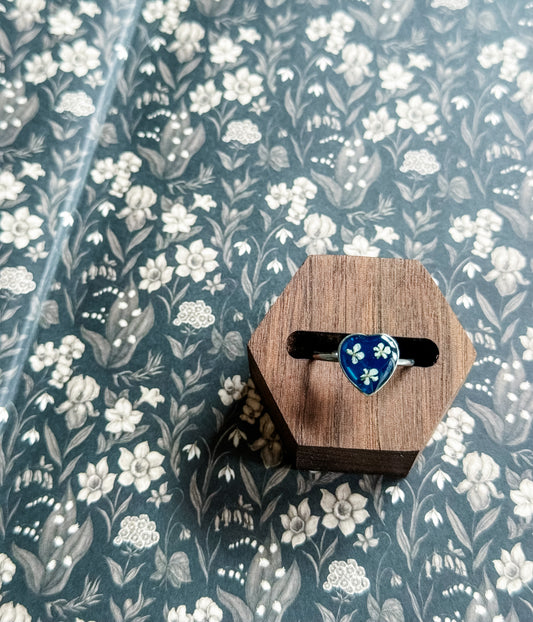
{"x": 166, "y": 167}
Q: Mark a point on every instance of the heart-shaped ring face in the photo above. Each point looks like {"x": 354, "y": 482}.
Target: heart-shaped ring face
{"x": 368, "y": 360}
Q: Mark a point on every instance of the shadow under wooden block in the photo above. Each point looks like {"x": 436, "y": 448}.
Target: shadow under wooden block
{"x": 324, "y": 422}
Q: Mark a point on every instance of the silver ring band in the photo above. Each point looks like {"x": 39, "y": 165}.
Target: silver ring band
{"x": 333, "y": 357}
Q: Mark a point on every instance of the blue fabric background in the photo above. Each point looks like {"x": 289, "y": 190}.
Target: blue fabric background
{"x": 165, "y": 169}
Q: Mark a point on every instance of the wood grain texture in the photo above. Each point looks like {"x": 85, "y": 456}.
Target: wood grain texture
{"x": 325, "y": 423}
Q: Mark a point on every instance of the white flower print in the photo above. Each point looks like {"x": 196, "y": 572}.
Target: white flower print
{"x": 387, "y": 234}
{"x": 225, "y": 50}
{"x": 77, "y": 103}
{"x": 279, "y": 195}
{"x": 11, "y": 612}
{"x": 395, "y": 77}
{"x": 63, "y": 22}
{"x": 20, "y": 228}
{"x": 232, "y": 390}
{"x": 45, "y": 356}
{"x": 86, "y": 7}
{"x": 378, "y": 125}
{"x": 527, "y": 342}
{"x": 299, "y": 524}
{"x": 360, "y": 246}
{"x": 336, "y": 41}
{"x": 32, "y": 169}
{"x": 490, "y": 55}
{"x": 440, "y": 478}
{"x": 367, "y": 540}
{"x": 179, "y": 614}
{"x": 17, "y": 280}
{"x": 7, "y": 569}
{"x": 275, "y": 266}
{"x": 122, "y": 417}
{"x": 509, "y": 69}
{"x": 342, "y": 21}
{"x": 434, "y": 517}
{"x": 129, "y": 162}
{"x": 452, "y": 5}
{"x": 244, "y": 132}
{"x": 463, "y": 227}
{"x": 355, "y": 353}
{"x": 420, "y": 161}
{"x": 214, "y": 285}
{"x": 196, "y": 314}
{"x": 139, "y": 200}
{"x": 382, "y": 350}
{"x": 285, "y": 73}
{"x": 396, "y": 493}
{"x": 524, "y": 95}
{"x": 192, "y": 450}
{"x": 487, "y": 221}
{"x": 26, "y": 13}
{"x": 31, "y": 436}
{"x": 369, "y": 375}
{"x": 243, "y": 247}
{"x": 318, "y": 228}
{"x": 188, "y": 36}
{"x": 178, "y": 220}
{"x": 356, "y": 58}
{"x": 250, "y": 35}
{"x": 71, "y": 347}
{"x": 460, "y": 421}
{"x": 420, "y": 61}
{"x": 227, "y": 473}
{"x": 206, "y": 610}
{"x": 465, "y": 300}
{"x": 95, "y": 482}
{"x": 195, "y": 261}
{"x": 78, "y": 58}
{"x": 514, "y": 48}
{"x": 514, "y": 570}
{"x": 205, "y": 97}
{"x": 416, "y": 114}
{"x": 141, "y": 467}
{"x": 242, "y": 86}
{"x": 160, "y": 496}
{"x": 480, "y": 470}
{"x": 436, "y": 135}
{"x": 460, "y": 102}
{"x": 153, "y": 10}
{"x": 303, "y": 189}
{"x": 103, "y": 170}
{"x": 155, "y": 273}
{"x": 507, "y": 262}
{"x": 151, "y": 396}
{"x": 10, "y": 187}
{"x": 138, "y": 531}
{"x": 346, "y": 576}
{"x": 318, "y": 28}
{"x": 203, "y": 201}
{"x": 81, "y": 391}
{"x": 523, "y": 499}
{"x": 343, "y": 509}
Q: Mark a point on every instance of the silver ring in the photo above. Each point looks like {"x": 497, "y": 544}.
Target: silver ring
{"x": 368, "y": 361}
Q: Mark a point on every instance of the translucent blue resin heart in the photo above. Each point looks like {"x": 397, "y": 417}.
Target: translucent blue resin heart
{"x": 368, "y": 360}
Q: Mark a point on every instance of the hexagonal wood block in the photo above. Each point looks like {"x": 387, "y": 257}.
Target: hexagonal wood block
{"x": 324, "y": 422}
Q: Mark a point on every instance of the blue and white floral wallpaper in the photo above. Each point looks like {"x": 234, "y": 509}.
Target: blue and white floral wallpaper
{"x": 165, "y": 167}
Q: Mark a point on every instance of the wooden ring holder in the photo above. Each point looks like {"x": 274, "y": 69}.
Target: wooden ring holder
{"x": 323, "y": 421}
